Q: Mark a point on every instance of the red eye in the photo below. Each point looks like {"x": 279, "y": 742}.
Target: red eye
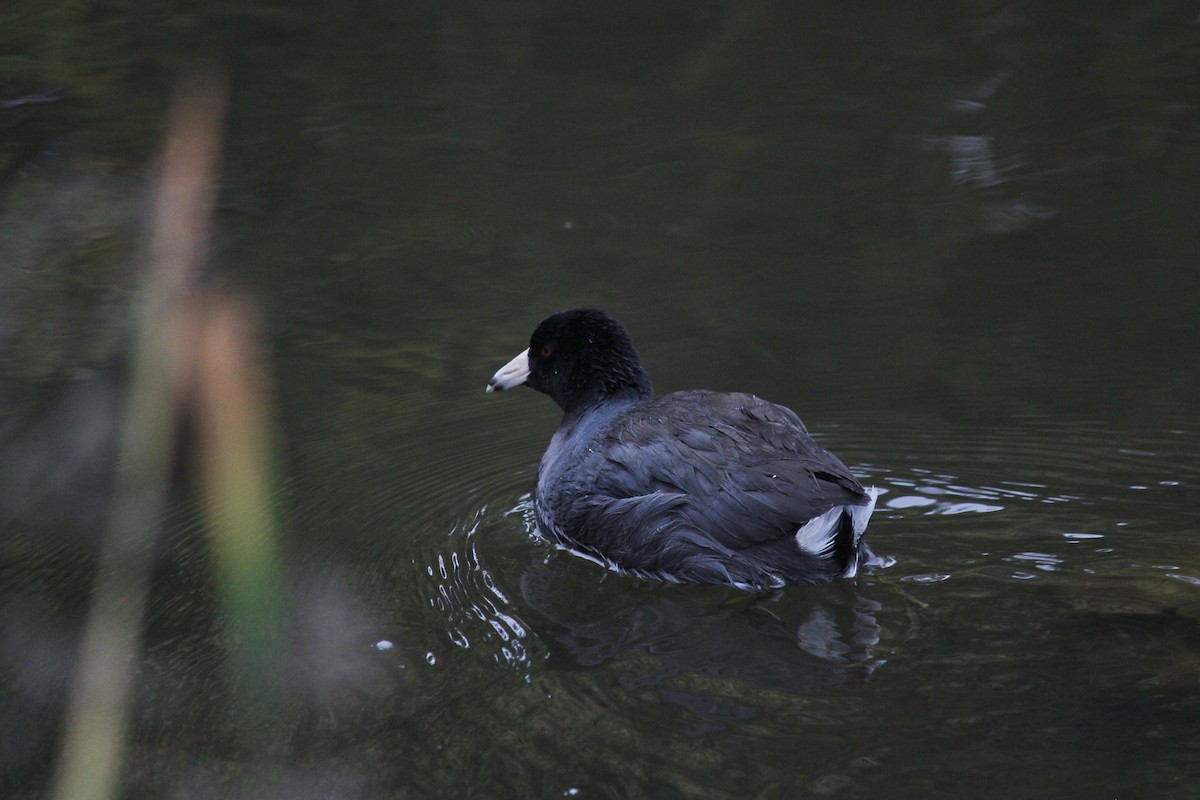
{"x": 545, "y": 351}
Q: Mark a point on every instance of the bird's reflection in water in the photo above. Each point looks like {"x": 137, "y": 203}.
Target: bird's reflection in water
{"x": 794, "y": 641}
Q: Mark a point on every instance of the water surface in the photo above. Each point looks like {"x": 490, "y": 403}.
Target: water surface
{"x": 961, "y": 244}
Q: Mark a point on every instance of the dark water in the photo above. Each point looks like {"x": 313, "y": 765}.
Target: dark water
{"x": 961, "y": 243}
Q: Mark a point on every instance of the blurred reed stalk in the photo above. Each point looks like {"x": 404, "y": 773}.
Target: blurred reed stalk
{"x": 231, "y": 396}
{"x": 93, "y": 742}
{"x": 187, "y": 352}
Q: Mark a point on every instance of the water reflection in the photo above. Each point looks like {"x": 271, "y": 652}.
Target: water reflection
{"x": 558, "y": 612}
{"x": 777, "y": 642}
{"x": 944, "y": 494}
{"x": 478, "y": 613}
{"x": 975, "y": 164}
{"x": 708, "y": 650}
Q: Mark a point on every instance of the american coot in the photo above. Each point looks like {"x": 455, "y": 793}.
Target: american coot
{"x": 697, "y": 486}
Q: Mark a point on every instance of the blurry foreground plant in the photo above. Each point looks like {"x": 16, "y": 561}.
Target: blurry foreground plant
{"x": 196, "y": 352}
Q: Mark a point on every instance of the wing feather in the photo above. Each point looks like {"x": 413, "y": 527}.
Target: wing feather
{"x": 717, "y": 473}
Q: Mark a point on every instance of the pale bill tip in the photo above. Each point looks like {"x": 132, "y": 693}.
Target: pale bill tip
{"x": 511, "y": 374}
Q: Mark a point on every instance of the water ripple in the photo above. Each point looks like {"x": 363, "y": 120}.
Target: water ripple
{"x": 1037, "y": 499}
{"x": 478, "y": 613}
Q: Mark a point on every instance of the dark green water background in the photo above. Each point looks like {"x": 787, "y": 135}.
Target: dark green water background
{"x": 960, "y": 239}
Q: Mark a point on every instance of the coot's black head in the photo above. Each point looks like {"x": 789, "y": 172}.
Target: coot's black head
{"x": 580, "y": 358}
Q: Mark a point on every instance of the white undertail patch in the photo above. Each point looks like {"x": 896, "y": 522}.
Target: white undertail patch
{"x": 817, "y": 535}
{"x": 859, "y": 516}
